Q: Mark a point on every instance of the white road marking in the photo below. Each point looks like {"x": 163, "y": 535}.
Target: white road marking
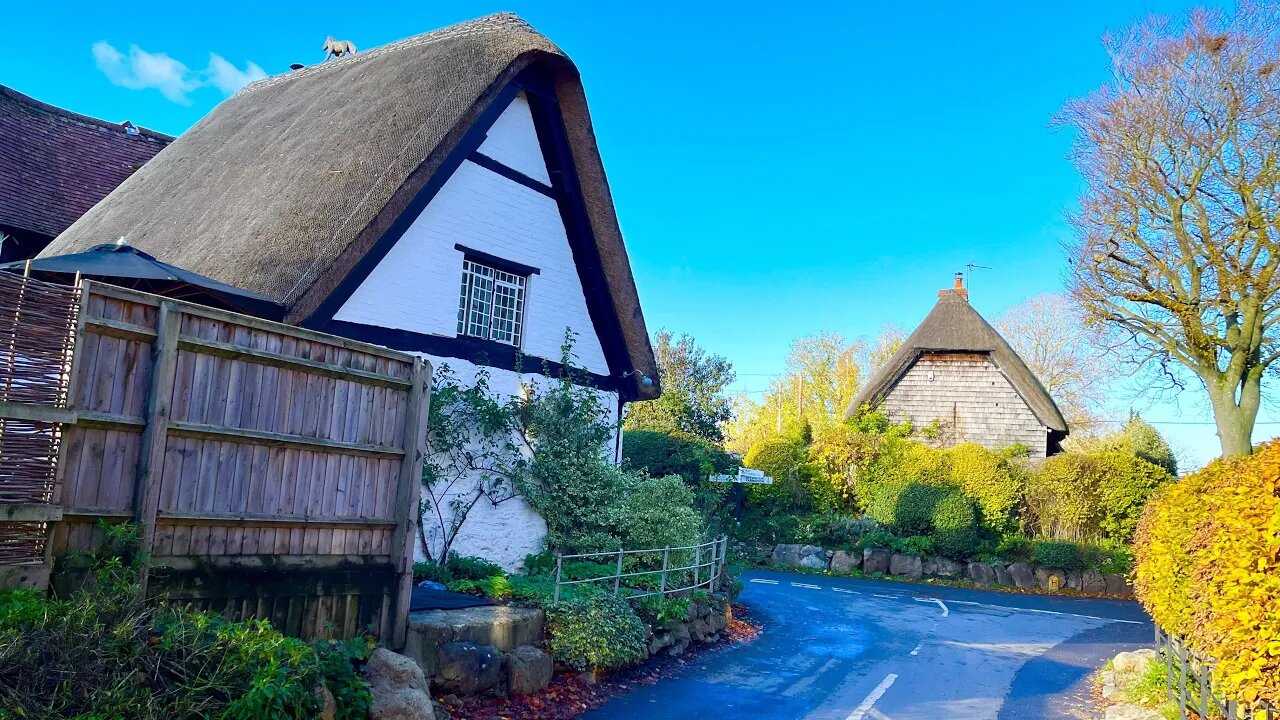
{"x": 890, "y": 597}
{"x": 766, "y": 582}
{"x": 1045, "y": 612}
{"x": 946, "y": 612}
{"x": 806, "y": 585}
{"x": 917, "y": 650}
{"x": 842, "y": 590}
{"x": 860, "y": 712}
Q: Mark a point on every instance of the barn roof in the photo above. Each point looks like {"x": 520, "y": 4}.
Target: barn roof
{"x": 284, "y": 187}
{"x": 56, "y": 164}
{"x": 954, "y": 326}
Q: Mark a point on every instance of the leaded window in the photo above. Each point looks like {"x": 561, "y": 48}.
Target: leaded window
{"x": 491, "y": 304}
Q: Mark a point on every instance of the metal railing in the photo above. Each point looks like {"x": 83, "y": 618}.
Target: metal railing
{"x": 1191, "y": 685}
{"x": 704, "y": 569}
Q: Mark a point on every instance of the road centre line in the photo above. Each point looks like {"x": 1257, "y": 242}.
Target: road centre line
{"x": 860, "y": 712}
{"x": 848, "y": 592}
{"x": 890, "y": 597}
{"x": 916, "y": 651}
{"x": 806, "y": 585}
{"x": 763, "y": 581}
{"x": 1046, "y": 612}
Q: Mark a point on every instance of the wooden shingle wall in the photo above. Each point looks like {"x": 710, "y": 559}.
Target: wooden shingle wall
{"x": 972, "y": 400}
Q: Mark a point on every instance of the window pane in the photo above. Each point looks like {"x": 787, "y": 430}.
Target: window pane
{"x": 491, "y": 303}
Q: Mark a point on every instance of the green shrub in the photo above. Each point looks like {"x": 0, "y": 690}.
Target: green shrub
{"x": 660, "y": 611}
{"x": 955, "y": 533}
{"x": 841, "y": 531}
{"x": 659, "y": 513}
{"x": 1062, "y": 554}
{"x": 431, "y": 571}
{"x": 1076, "y": 496}
{"x": 879, "y": 538}
{"x": 350, "y": 691}
{"x": 596, "y": 633}
{"x": 497, "y": 587}
{"x": 913, "y": 545}
{"x": 466, "y": 567}
{"x": 990, "y": 480}
{"x": 1137, "y": 438}
{"x": 102, "y": 653}
{"x": 784, "y": 460}
{"x": 674, "y": 453}
{"x": 1015, "y": 547}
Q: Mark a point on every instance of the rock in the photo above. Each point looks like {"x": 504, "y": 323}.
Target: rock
{"x": 1125, "y": 711}
{"x": 875, "y": 560}
{"x": 505, "y": 628}
{"x": 680, "y": 639}
{"x": 905, "y": 565}
{"x": 329, "y": 706}
{"x": 1021, "y": 575}
{"x": 1074, "y": 579}
{"x": 588, "y": 677}
{"x": 1092, "y": 582}
{"x": 1002, "y": 575}
{"x": 398, "y": 688}
{"x": 1044, "y": 578}
{"x": 980, "y": 573}
{"x": 468, "y": 669}
{"x": 941, "y": 567}
{"x": 842, "y": 561}
{"x": 1135, "y": 662}
{"x": 528, "y": 670}
{"x": 660, "y": 640}
{"x": 1109, "y": 687}
{"x": 720, "y": 619}
{"x": 808, "y": 556}
{"x": 1118, "y": 585}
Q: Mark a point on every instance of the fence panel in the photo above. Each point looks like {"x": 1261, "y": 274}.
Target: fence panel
{"x": 271, "y": 469}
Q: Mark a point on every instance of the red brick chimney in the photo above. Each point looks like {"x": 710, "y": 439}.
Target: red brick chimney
{"x": 957, "y": 290}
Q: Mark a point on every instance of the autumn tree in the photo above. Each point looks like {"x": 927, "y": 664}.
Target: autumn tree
{"x": 694, "y": 398}
{"x": 1176, "y": 233}
{"x": 1050, "y": 334}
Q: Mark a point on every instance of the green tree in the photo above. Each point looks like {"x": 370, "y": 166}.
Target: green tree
{"x": 693, "y": 398}
{"x": 1176, "y": 236}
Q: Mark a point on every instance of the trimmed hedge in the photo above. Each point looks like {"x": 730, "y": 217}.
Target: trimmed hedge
{"x": 1078, "y": 496}
{"x": 673, "y": 453}
{"x": 1208, "y": 568}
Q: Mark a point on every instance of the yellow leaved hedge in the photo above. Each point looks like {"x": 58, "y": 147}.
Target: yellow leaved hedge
{"x": 1208, "y": 568}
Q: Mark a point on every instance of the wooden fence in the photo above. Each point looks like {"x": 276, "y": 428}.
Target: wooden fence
{"x": 272, "y": 471}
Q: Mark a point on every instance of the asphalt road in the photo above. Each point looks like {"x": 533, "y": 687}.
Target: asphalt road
{"x": 847, "y": 649}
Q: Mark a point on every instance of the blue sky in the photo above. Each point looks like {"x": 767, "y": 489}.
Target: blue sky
{"x": 777, "y": 173}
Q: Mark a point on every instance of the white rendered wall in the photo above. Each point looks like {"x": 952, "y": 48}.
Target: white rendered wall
{"x": 513, "y": 142}
{"x": 504, "y": 533}
{"x": 416, "y": 285}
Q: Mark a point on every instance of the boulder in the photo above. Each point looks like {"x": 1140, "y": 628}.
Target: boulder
{"x": 528, "y": 670}
{"x": 680, "y": 639}
{"x": 843, "y": 561}
{"x": 905, "y": 565}
{"x": 980, "y": 573}
{"x": 503, "y": 627}
{"x": 806, "y": 556}
{"x": 941, "y": 567}
{"x": 1125, "y": 711}
{"x": 468, "y": 669}
{"x": 1022, "y": 576}
{"x": 398, "y": 688}
{"x": 1003, "y": 577}
{"x": 1044, "y": 578}
{"x": 875, "y": 560}
{"x": 1110, "y": 688}
{"x": 1074, "y": 579}
{"x": 1118, "y": 585}
{"x": 1092, "y": 582}
{"x": 1135, "y": 662}
{"x": 719, "y": 619}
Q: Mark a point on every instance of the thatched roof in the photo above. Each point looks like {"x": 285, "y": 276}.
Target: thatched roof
{"x": 954, "y": 326}
{"x": 285, "y": 186}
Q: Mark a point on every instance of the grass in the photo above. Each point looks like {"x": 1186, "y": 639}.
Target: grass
{"x": 1148, "y": 689}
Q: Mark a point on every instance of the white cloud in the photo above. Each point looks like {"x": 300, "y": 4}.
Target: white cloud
{"x": 228, "y": 78}
{"x": 141, "y": 70}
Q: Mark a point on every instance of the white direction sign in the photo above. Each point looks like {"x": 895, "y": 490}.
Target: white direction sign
{"x": 745, "y": 475}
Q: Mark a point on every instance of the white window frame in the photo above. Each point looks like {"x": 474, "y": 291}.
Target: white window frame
{"x": 485, "y": 289}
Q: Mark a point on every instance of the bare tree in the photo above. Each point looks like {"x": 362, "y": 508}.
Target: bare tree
{"x": 1050, "y": 334}
{"x": 1176, "y": 234}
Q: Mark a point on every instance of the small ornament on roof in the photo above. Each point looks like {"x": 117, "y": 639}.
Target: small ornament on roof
{"x": 337, "y": 48}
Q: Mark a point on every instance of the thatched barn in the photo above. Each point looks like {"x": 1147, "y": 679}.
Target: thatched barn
{"x": 955, "y": 379}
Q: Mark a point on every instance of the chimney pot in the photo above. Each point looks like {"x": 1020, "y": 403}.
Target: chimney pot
{"x": 957, "y": 289}
{"x": 959, "y": 281}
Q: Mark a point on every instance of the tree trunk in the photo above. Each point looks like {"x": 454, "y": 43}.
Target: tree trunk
{"x": 1235, "y": 414}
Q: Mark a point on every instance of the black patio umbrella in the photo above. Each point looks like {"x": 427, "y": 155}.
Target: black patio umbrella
{"x": 124, "y": 265}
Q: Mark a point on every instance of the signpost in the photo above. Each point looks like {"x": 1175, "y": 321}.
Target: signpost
{"x": 745, "y": 476}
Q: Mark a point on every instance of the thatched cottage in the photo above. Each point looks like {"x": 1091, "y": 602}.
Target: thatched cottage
{"x": 957, "y": 380}
{"x": 442, "y": 195}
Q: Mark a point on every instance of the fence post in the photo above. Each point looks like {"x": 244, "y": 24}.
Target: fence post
{"x": 665, "y": 554}
{"x": 697, "y": 566}
{"x": 555, "y": 596}
{"x": 1204, "y": 690}
{"x": 408, "y": 491}
{"x": 1182, "y": 680}
{"x": 151, "y": 448}
{"x": 617, "y": 578}
{"x": 724, "y": 556}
